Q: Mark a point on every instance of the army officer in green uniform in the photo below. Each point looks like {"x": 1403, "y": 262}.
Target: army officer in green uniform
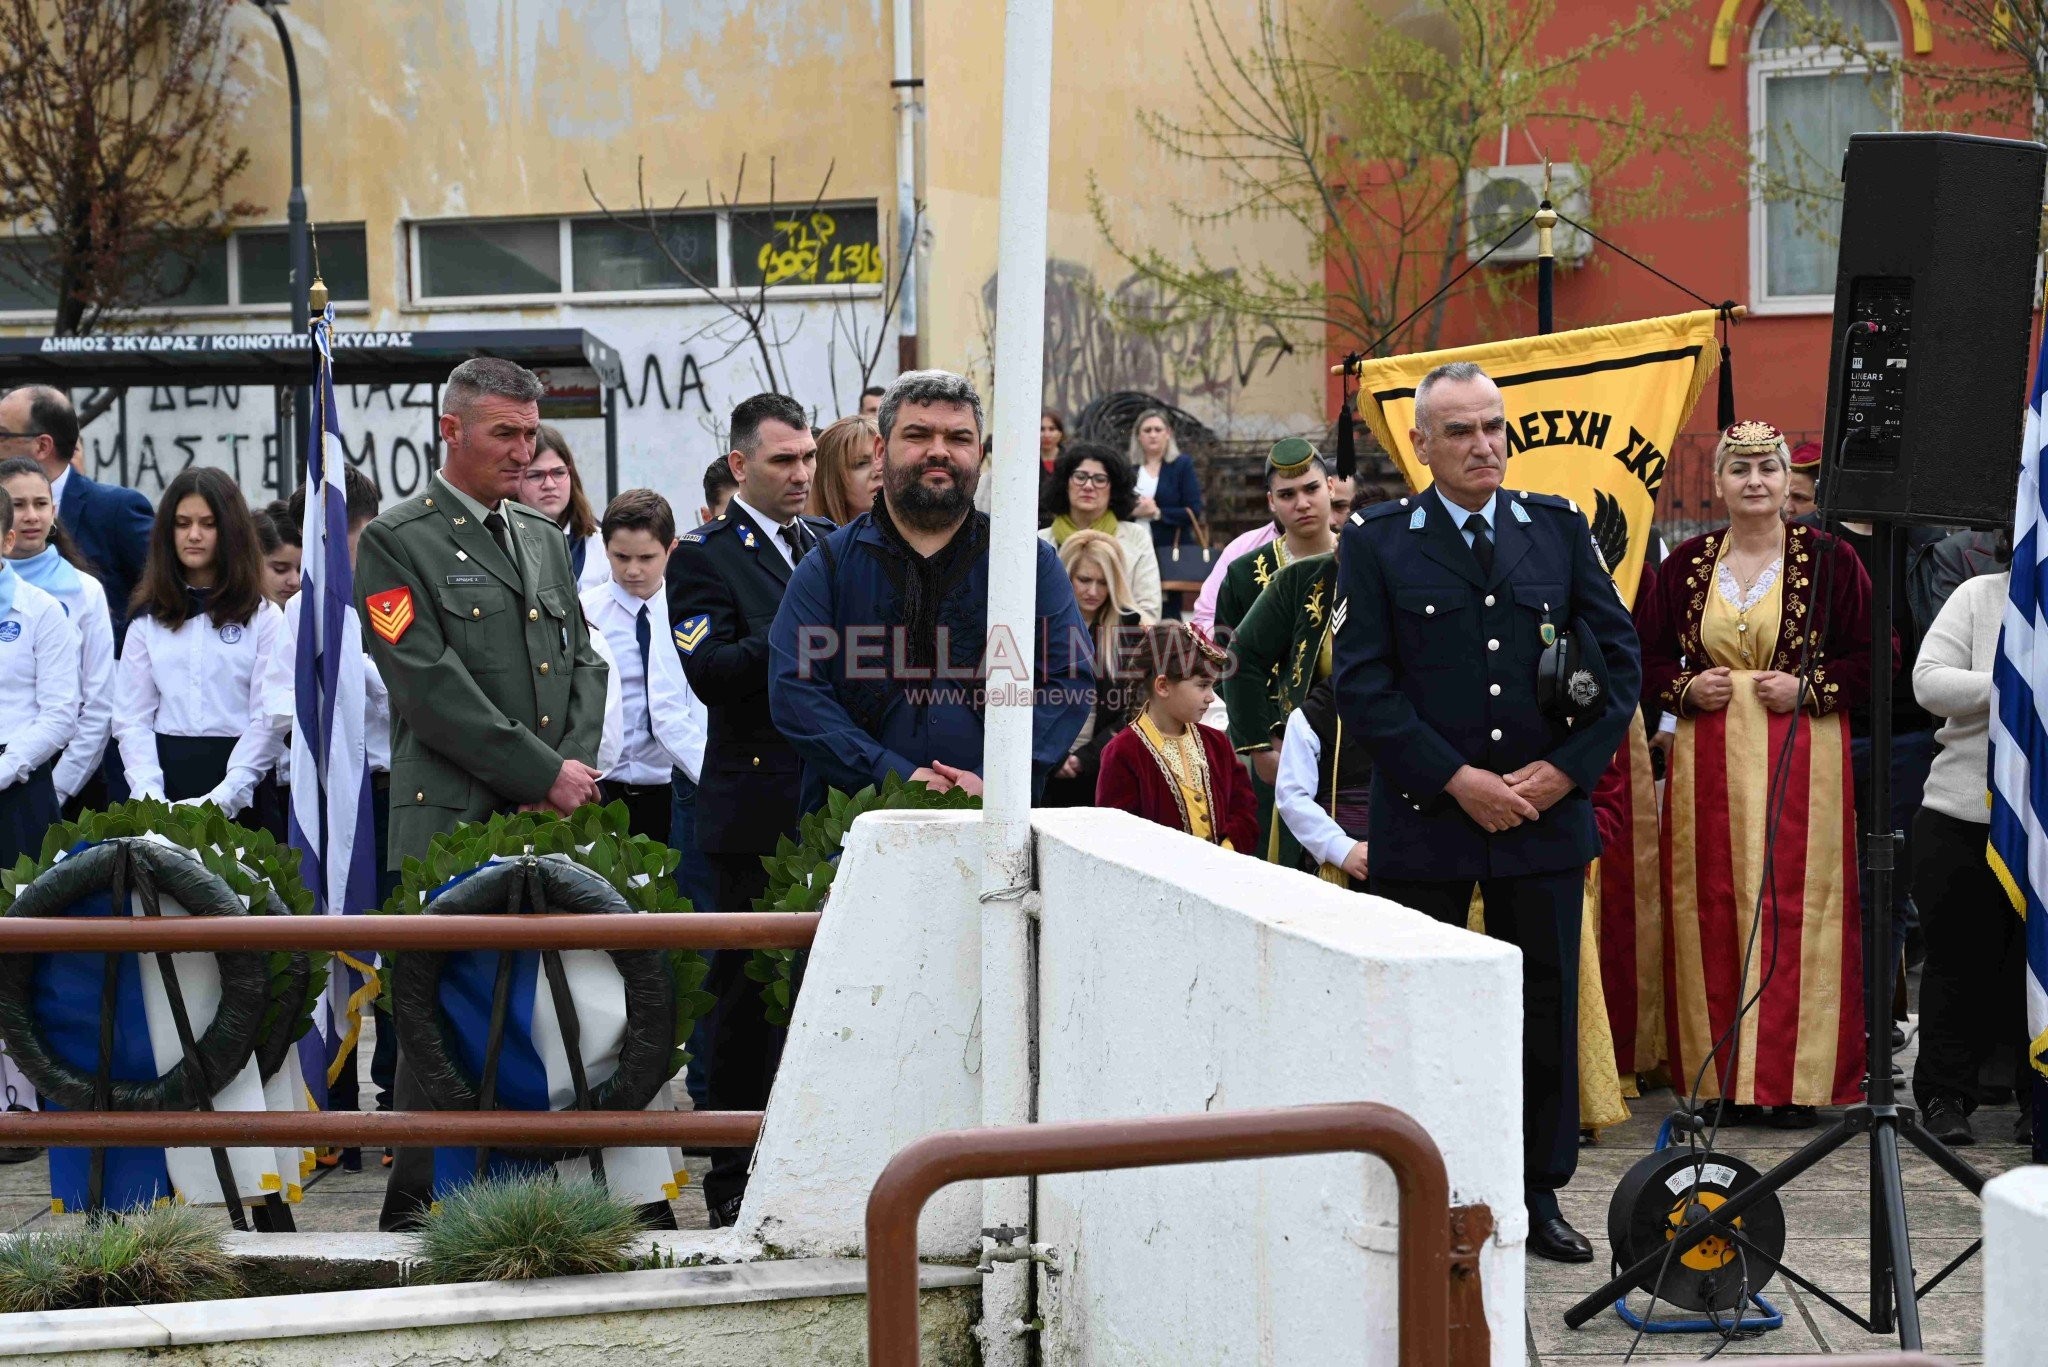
{"x": 497, "y": 697}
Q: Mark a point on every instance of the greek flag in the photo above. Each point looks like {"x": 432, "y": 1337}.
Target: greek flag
{"x": 2019, "y": 729}
{"x": 331, "y": 814}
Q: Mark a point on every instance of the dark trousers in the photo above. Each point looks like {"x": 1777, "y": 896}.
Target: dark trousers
{"x": 647, "y": 806}
{"x": 1912, "y": 755}
{"x": 1539, "y": 914}
{"x": 694, "y": 881}
{"x": 745, "y": 1048}
{"x": 1973, "y": 985}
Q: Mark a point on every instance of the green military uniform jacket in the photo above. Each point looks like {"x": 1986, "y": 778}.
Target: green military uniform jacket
{"x": 492, "y": 676}
{"x": 1279, "y": 648}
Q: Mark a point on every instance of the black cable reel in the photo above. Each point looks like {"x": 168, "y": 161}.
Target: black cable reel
{"x": 1676, "y": 1188}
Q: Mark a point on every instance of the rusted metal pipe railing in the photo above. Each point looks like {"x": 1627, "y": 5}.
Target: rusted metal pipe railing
{"x": 393, "y": 1129}
{"x": 920, "y": 1170}
{"x": 386, "y": 1129}
{"x": 696, "y": 930}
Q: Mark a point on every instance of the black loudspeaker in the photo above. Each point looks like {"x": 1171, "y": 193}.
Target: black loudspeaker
{"x": 1934, "y": 296}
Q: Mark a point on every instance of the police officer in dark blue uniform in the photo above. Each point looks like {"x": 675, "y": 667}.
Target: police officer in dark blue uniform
{"x": 725, "y": 582}
{"x": 1448, "y": 601}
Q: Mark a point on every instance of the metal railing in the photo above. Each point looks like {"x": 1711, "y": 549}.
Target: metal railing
{"x": 393, "y": 1129}
{"x": 1428, "y": 1263}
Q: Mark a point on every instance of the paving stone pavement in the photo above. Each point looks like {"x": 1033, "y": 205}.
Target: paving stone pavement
{"x": 1826, "y": 1241}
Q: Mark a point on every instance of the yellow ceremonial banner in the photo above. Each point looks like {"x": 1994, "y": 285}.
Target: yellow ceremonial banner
{"x": 1590, "y": 414}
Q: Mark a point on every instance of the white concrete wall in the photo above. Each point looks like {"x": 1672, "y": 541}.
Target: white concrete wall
{"x": 1175, "y": 976}
{"x": 2015, "y": 1257}
{"x": 885, "y": 1045}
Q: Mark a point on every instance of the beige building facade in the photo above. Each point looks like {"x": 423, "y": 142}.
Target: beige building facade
{"x": 507, "y": 163}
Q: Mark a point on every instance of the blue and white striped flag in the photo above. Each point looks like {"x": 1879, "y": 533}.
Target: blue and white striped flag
{"x": 2019, "y": 729}
{"x": 331, "y": 816}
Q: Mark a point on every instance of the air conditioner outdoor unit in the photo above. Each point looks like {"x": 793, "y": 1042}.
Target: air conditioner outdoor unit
{"x": 1498, "y": 197}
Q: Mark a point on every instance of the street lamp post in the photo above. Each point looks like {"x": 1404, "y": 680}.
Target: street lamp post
{"x": 301, "y": 253}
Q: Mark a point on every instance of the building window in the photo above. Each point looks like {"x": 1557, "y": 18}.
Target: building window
{"x": 1805, "y": 100}
{"x": 522, "y": 261}
{"x": 247, "y": 269}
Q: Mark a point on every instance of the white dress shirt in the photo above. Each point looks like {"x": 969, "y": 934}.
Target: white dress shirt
{"x": 86, "y": 605}
{"x": 39, "y": 668}
{"x": 200, "y": 680}
{"x": 1294, "y": 794}
{"x": 1458, "y": 515}
{"x": 597, "y": 567}
{"x": 57, "y": 487}
{"x": 281, "y": 688}
{"x": 611, "y": 737}
{"x": 773, "y": 529}
{"x": 664, "y": 725}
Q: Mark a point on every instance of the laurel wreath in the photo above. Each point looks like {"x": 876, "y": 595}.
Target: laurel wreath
{"x": 800, "y": 871}
{"x": 638, "y": 868}
{"x": 261, "y": 872}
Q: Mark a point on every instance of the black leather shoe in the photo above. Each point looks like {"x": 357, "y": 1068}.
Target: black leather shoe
{"x": 726, "y": 1213}
{"x": 1558, "y": 1241}
{"x": 1945, "y": 1121}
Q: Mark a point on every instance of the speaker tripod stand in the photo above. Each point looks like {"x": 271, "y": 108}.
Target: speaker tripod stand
{"x": 1894, "y": 1298}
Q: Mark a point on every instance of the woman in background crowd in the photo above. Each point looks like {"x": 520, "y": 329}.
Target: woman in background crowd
{"x": 44, "y": 555}
{"x": 1091, "y": 490}
{"x": 849, "y": 470}
{"x": 1757, "y": 636}
{"x": 1052, "y": 434}
{"x": 1166, "y": 766}
{"x": 551, "y": 485}
{"x": 1095, "y": 567}
{"x": 189, "y": 712}
{"x": 278, "y": 537}
{"x": 1169, "y": 490}
{"x": 1973, "y": 984}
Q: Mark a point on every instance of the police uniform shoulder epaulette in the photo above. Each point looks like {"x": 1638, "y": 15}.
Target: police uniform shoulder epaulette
{"x": 1535, "y": 500}
{"x": 822, "y": 525}
{"x": 521, "y": 510}
{"x": 1384, "y": 510}
{"x": 704, "y": 533}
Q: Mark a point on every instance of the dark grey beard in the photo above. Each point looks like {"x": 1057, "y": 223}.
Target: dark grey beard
{"x": 927, "y": 509}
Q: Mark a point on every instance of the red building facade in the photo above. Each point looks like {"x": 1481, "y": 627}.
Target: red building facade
{"x": 1769, "y": 109}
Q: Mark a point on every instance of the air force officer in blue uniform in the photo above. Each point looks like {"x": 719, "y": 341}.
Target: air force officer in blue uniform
{"x": 1448, "y": 599}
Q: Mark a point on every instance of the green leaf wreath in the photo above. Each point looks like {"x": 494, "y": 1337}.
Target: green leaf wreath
{"x": 263, "y": 872}
{"x": 800, "y": 871}
{"x": 598, "y": 838}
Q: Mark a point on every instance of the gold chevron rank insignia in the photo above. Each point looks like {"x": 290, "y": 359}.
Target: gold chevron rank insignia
{"x": 691, "y": 633}
{"x": 390, "y": 613}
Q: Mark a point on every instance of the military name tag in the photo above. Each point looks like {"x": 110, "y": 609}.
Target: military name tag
{"x": 469, "y": 579}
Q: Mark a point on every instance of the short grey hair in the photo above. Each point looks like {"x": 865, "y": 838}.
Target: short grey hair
{"x": 1451, "y": 372}
{"x": 928, "y": 386}
{"x": 481, "y": 375}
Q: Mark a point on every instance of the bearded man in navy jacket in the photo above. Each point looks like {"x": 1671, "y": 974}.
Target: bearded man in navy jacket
{"x": 875, "y": 660}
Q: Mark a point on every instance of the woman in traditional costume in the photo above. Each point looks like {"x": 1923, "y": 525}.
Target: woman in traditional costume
{"x": 1168, "y": 767}
{"x": 1757, "y": 637}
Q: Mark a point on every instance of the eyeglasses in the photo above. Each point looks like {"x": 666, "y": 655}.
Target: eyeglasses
{"x": 1088, "y": 480}
{"x": 560, "y": 476}
{"x": 18, "y": 436}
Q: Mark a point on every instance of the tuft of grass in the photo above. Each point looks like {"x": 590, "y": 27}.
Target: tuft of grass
{"x": 513, "y": 1229}
{"x": 170, "y": 1253}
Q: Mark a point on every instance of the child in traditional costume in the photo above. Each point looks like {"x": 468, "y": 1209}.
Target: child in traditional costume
{"x": 1168, "y": 767}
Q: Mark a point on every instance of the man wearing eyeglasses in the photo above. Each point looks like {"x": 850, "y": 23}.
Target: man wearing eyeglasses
{"x": 109, "y": 524}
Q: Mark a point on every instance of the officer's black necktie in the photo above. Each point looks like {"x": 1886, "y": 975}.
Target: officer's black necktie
{"x": 793, "y": 535}
{"x": 1482, "y": 543}
{"x": 494, "y": 523}
{"x": 643, "y": 632}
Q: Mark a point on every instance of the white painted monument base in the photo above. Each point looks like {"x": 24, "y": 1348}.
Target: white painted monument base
{"x": 2015, "y": 1266}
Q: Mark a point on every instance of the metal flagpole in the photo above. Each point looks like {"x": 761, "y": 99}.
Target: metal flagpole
{"x": 1012, "y": 609}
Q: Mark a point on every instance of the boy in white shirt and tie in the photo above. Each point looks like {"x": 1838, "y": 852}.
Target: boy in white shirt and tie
{"x": 663, "y": 724}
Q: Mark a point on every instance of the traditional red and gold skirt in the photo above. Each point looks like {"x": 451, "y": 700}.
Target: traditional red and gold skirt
{"x": 1801, "y": 1035}
{"x": 1632, "y": 917}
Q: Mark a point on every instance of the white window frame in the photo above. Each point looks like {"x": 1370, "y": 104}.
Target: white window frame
{"x": 420, "y": 301}
{"x": 1764, "y": 65}
{"x": 232, "y": 309}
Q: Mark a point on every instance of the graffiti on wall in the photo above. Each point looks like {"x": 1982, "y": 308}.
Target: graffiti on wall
{"x": 1136, "y": 337}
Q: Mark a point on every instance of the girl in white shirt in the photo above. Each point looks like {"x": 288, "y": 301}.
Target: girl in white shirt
{"x": 44, "y": 556}
{"x": 39, "y": 656}
{"x": 188, "y": 696}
